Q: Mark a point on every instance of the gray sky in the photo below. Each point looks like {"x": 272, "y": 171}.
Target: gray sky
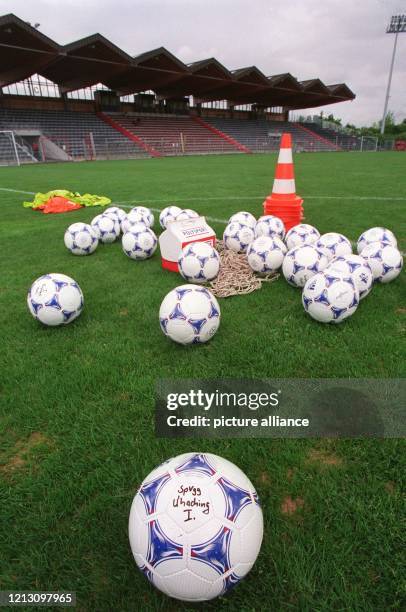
{"x": 336, "y": 40}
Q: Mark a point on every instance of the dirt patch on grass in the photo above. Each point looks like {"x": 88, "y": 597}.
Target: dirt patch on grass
{"x": 290, "y": 473}
{"x": 123, "y": 312}
{"x": 390, "y": 487}
{"x": 22, "y": 450}
{"x": 400, "y": 311}
{"x": 289, "y": 505}
{"x": 264, "y": 478}
{"x": 323, "y": 457}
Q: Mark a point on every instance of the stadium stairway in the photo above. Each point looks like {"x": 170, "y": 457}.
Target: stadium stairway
{"x": 229, "y": 139}
{"x": 81, "y": 135}
{"x": 173, "y": 134}
{"x": 261, "y": 135}
{"x": 318, "y": 136}
{"x": 344, "y": 142}
{"x": 128, "y": 134}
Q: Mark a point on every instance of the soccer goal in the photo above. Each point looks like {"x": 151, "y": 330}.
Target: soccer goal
{"x": 8, "y": 149}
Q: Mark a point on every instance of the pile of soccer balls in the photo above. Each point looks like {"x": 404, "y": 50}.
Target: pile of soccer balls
{"x": 56, "y": 299}
{"x": 334, "y": 280}
{"x": 138, "y": 239}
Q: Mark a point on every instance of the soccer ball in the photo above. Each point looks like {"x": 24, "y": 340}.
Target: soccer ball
{"x": 195, "y": 526}
{"x": 139, "y": 242}
{"x": 237, "y": 237}
{"x": 280, "y": 244}
{"x": 268, "y": 225}
{"x": 55, "y": 299}
{"x": 301, "y": 234}
{"x": 245, "y": 218}
{"x": 168, "y": 215}
{"x": 134, "y": 219}
{"x": 385, "y": 260}
{"x": 119, "y": 213}
{"x": 356, "y": 267}
{"x": 182, "y": 216}
{"x": 199, "y": 262}
{"x": 334, "y": 245}
{"x": 265, "y": 255}
{"x": 146, "y": 215}
{"x": 81, "y": 239}
{"x": 186, "y": 214}
{"x": 106, "y": 227}
{"x": 376, "y": 234}
{"x": 189, "y": 314}
{"x": 301, "y": 263}
{"x": 191, "y": 213}
{"x": 330, "y": 298}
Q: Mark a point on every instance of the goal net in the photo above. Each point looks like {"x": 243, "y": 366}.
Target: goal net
{"x": 8, "y": 149}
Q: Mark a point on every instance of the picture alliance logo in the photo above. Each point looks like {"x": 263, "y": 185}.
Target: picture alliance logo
{"x": 222, "y": 399}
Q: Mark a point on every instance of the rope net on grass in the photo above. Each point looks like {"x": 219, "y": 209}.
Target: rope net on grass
{"x": 235, "y": 276}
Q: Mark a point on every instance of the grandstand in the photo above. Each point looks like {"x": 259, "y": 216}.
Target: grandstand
{"x": 91, "y": 100}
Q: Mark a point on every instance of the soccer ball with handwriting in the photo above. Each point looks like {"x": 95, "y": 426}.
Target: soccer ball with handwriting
{"x": 195, "y": 526}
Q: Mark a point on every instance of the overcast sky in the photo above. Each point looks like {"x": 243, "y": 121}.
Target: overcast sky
{"x": 335, "y": 40}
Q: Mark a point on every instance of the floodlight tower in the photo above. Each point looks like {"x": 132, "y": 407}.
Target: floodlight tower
{"x": 397, "y": 25}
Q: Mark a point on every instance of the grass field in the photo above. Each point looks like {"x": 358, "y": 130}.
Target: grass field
{"x": 77, "y": 403}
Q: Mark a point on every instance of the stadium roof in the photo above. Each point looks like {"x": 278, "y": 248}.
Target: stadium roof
{"x": 24, "y": 51}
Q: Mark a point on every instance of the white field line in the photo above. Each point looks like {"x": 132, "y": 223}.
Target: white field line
{"x": 259, "y": 197}
{"x": 247, "y": 197}
{"x": 17, "y": 191}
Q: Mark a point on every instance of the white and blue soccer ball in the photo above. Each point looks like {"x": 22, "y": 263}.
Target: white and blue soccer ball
{"x": 245, "y": 218}
{"x": 238, "y": 237}
{"x": 192, "y": 214}
{"x": 189, "y": 314}
{"x": 139, "y": 242}
{"x": 186, "y": 214}
{"x": 265, "y": 254}
{"x": 168, "y": 215}
{"x": 81, "y": 239}
{"x": 301, "y": 234}
{"x": 376, "y": 234}
{"x": 195, "y": 526}
{"x": 142, "y": 213}
{"x": 303, "y": 262}
{"x": 334, "y": 245}
{"x": 269, "y": 225}
{"x": 330, "y": 298}
{"x": 356, "y": 267}
{"x": 106, "y": 227}
{"x": 199, "y": 262}
{"x": 385, "y": 260}
{"x": 135, "y": 218}
{"x": 55, "y": 299}
{"x": 119, "y": 213}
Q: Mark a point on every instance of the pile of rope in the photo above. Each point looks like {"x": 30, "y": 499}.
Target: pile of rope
{"x": 235, "y": 276}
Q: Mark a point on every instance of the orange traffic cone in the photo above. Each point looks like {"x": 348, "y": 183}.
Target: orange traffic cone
{"x": 283, "y": 202}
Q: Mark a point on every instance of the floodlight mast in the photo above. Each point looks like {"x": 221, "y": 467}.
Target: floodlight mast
{"x": 396, "y": 26}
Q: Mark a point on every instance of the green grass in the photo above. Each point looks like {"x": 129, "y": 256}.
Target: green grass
{"x": 76, "y": 403}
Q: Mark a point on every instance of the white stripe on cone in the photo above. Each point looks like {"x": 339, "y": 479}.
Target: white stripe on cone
{"x": 285, "y": 156}
{"x": 284, "y": 186}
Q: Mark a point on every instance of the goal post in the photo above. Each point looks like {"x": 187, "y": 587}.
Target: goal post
{"x": 8, "y": 149}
